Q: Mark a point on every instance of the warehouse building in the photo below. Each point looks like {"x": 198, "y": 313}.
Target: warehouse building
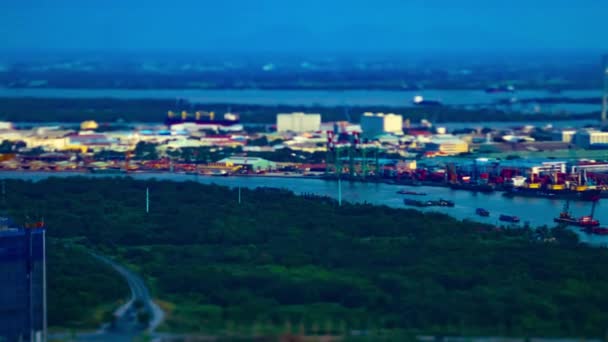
{"x": 298, "y": 122}
{"x": 447, "y": 145}
{"x": 250, "y": 163}
{"x": 591, "y": 139}
{"x": 373, "y": 124}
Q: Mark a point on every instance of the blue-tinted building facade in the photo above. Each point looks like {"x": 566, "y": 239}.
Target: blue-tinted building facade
{"x": 22, "y": 283}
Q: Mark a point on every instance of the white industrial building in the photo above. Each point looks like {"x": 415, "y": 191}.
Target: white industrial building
{"x": 298, "y": 122}
{"x": 373, "y": 124}
{"x": 564, "y": 135}
{"x": 588, "y": 138}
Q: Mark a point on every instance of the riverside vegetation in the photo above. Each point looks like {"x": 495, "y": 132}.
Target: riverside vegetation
{"x": 280, "y": 261}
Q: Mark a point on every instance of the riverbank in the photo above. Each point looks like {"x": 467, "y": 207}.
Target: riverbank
{"x": 298, "y": 261}
{"x": 536, "y": 211}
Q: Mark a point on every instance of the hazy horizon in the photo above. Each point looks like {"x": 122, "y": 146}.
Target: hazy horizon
{"x": 314, "y": 27}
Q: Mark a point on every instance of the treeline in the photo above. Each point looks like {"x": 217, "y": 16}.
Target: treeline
{"x": 151, "y": 110}
{"x": 282, "y": 260}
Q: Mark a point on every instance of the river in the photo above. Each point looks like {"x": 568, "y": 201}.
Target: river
{"x": 390, "y": 98}
{"x": 537, "y": 211}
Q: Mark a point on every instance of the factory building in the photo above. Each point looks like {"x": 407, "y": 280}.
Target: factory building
{"x": 446, "y": 145}
{"x": 5, "y": 125}
{"x": 590, "y": 139}
{"x": 249, "y": 163}
{"x": 298, "y": 122}
{"x": 89, "y": 125}
{"x": 373, "y": 124}
{"x": 23, "y": 285}
{"x": 564, "y": 135}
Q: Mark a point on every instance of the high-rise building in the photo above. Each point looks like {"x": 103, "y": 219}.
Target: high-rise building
{"x": 373, "y": 124}
{"x": 298, "y": 122}
{"x": 23, "y": 284}
{"x": 605, "y": 90}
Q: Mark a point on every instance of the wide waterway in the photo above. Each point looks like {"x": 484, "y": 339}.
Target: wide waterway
{"x": 537, "y": 211}
{"x": 390, "y": 98}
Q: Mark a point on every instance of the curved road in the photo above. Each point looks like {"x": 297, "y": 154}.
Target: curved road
{"x": 125, "y": 326}
{"x": 126, "y": 315}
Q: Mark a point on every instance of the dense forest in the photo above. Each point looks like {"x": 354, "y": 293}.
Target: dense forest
{"x": 280, "y": 260}
{"x": 150, "y": 110}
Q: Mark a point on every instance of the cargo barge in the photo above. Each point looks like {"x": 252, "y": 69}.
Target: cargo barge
{"x": 437, "y": 203}
{"x": 567, "y": 194}
{"x": 565, "y": 217}
{"x": 508, "y": 218}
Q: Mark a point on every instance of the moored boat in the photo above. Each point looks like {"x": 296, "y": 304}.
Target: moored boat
{"x": 508, "y": 218}
{"x": 585, "y": 195}
{"x": 417, "y": 203}
{"x": 408, "y": 192}
{"x": 482, "y": 212}
{"x": 445, "y": 203}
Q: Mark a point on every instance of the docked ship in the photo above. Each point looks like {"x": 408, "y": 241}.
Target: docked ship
{"x": 416, "y": 203}
{"x": 565, "y": 217}
{"x": 508, "y": 218}
{"x": 445, "y": 203}
{"x": 201, "y": 118}
{"x": 422, "y": 102}
{"x": 482, "y": 212}
{"x": 587, "y": 194}
{"x": 413, "y": 193}
{"x": 438, "y": 203}
{"x": 500, "y": 89}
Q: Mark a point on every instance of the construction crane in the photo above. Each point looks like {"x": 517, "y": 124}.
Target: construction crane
{"x": 128, "y": 155}
{"x": 451, "y": 173}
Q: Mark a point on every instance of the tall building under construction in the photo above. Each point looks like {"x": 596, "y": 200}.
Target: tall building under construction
{"x": 605, "y": 90}
{"x": 23, "y": 283}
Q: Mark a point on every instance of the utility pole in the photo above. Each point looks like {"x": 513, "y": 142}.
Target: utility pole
{"x": 239, "y": 194}
{"x": 147, "y": 200}
{"x": 339, "y": 190}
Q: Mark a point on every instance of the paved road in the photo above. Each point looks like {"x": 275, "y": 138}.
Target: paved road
{"x": 125, "y": 326}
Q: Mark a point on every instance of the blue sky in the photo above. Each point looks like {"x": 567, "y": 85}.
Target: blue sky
{"x": 313, "y": 25}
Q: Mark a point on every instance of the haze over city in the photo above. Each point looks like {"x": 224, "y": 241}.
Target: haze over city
{"x": 280, "y": 170}
{"x": 313, "y": 26}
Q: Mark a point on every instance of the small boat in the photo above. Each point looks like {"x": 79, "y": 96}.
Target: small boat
{"x": 417, "y": 203}
{"x": 500, "y": 89}
{"x": 508, "y": 218}
{"x": 422, "y": 102}
{"x": 482, "y": 212}
{"x": 445, "y": 203}
{"x": 407, "y": 192}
